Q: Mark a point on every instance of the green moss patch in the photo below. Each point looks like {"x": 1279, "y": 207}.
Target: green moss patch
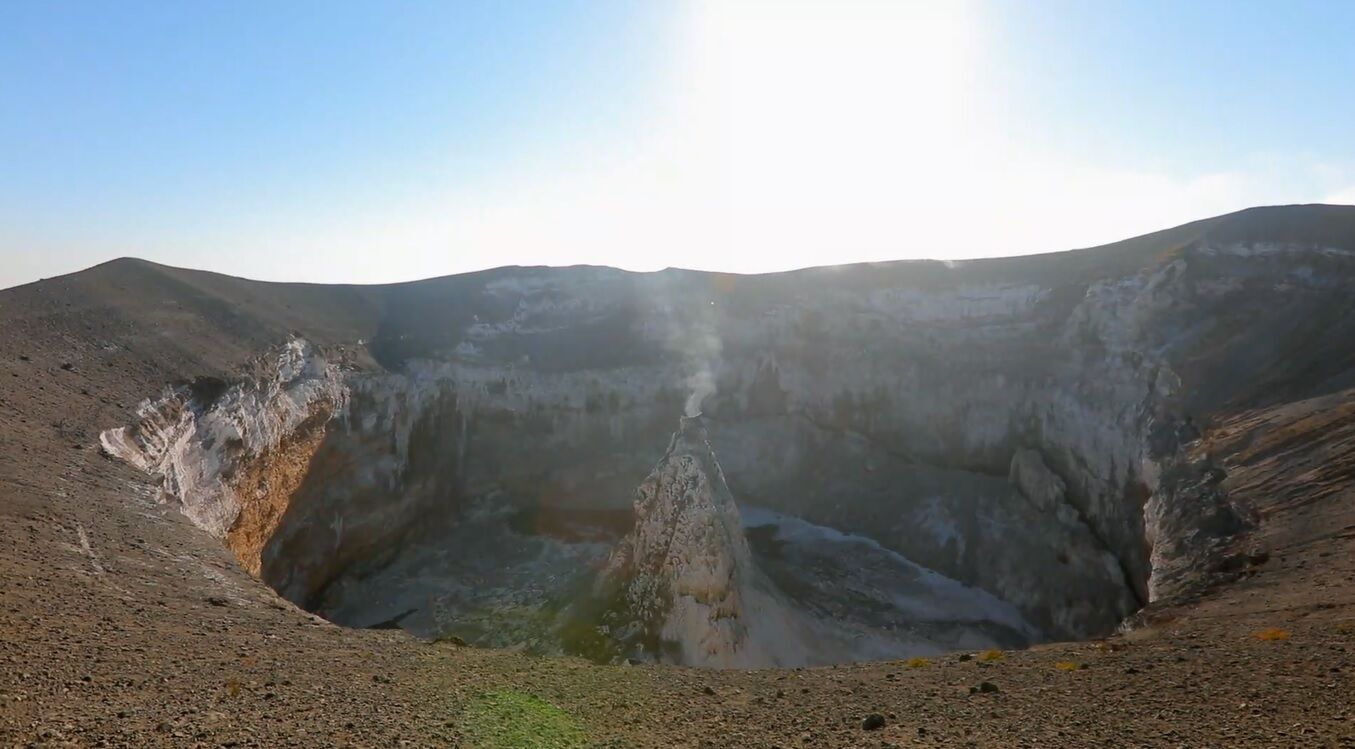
{"x": 506, "y": 719}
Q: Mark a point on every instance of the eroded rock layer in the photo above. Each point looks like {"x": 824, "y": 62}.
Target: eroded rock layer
{"x": 233, "y": 454}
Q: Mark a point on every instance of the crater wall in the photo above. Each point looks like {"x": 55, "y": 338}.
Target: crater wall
{"x": 1015, "y": 425}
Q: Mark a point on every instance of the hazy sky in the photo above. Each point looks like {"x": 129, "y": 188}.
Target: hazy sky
{"x": 340, "y": 141}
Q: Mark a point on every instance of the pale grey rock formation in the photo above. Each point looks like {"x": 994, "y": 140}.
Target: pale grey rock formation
{"x": 685, "y": 570}
{"x": 194, "y": 437}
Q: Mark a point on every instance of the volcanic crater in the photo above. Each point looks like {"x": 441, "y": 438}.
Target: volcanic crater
{"x": 836, "y": 465}
{"x": 916, "y": 458}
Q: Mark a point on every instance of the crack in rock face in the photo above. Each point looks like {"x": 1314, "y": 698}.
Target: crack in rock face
{"x": 913, "y": 458}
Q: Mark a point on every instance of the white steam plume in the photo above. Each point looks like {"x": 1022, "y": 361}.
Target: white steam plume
{"x": 691, "y": 334}
{"x": 702, "y": 386}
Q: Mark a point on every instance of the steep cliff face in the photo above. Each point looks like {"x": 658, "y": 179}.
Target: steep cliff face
{"x": 233, "y": 454}
{"x": 1021, "y": 426}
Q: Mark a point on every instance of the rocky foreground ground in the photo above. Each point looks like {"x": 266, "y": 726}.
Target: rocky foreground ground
{"x": 122, "y": 624}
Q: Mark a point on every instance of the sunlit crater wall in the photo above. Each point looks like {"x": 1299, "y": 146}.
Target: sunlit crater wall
{"x": 1013, "y": 425}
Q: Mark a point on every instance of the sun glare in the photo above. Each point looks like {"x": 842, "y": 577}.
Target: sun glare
{"x": 791, "y": 134}
{"x": 800, "y": 133}
{"x": 824, "y": 125}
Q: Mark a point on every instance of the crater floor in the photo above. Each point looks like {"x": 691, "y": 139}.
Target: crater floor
{"x": 504, "y": 578}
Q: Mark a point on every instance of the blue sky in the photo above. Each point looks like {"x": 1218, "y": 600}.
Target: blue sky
{"x": 373, "y": 142}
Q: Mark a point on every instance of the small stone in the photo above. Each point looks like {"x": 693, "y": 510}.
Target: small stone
{"x": 873, "y": 722}
{"x": 988, "y": 687}
{"x": 218, "y": 601}
{"x": 708, "y": 691}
